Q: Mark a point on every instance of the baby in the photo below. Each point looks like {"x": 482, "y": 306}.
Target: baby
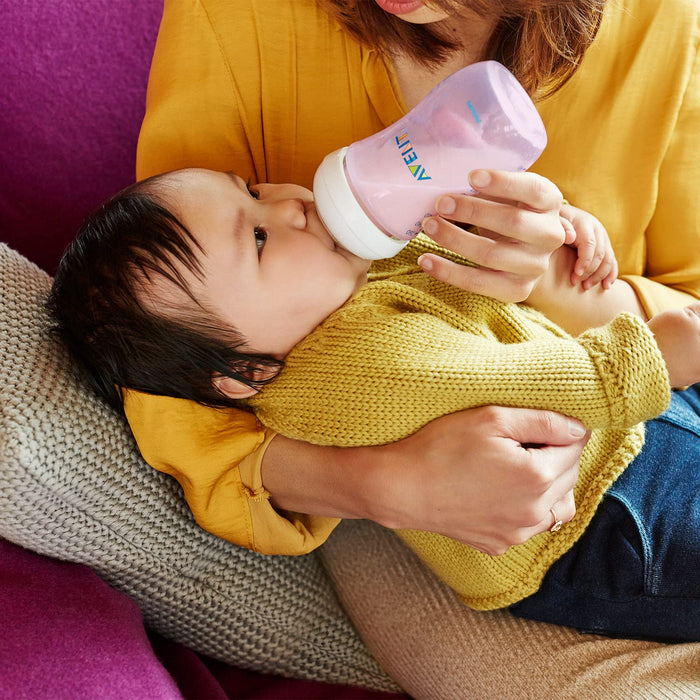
{"x": 193, "y": 285}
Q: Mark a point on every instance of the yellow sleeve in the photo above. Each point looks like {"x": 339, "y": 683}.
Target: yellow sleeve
{"x": 672, "y": 276}
{"x": 264, "y": 88}
{"x": 216, "y": 455}
{"x": 401, "y": 355}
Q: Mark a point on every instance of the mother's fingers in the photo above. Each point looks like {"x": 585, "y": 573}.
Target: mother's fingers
{"x": 534, "y": 191}
{"x": 550, "y": 513}
{"x": 489, "y": 249}
{"x": 564, "y": 509}
{"x": 519, "y": 227}
{"x": 539, "y": 229}
{"x": 558, "y": 514}
{"x": 504, "y": 286}
{"x": 555, "y": 510}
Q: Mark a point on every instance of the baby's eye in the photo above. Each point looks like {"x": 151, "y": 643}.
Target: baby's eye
{"x": 260, "y": 238}
{"x": 251, "y": 192}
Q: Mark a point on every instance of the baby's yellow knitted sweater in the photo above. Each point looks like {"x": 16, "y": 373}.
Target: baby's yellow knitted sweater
{"x": 407, "y": 349}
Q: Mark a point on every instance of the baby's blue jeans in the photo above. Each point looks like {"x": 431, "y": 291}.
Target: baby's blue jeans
{"x": 636, "y": 570}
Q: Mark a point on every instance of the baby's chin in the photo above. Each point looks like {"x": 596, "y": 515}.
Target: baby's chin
{"x": 361, "y": 265}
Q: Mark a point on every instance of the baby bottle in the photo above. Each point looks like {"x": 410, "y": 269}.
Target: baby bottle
{"x": 373, "y": 195}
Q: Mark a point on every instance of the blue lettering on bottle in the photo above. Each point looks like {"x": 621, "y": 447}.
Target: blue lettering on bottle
{"x": 409, "y": 156}
{"x": 475, "y": 114}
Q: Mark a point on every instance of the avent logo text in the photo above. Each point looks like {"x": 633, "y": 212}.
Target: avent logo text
{"x": 410, "y": 157}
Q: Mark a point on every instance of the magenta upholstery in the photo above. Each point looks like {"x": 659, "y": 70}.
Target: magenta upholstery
{"x": 74, "y": 77}
{"x": 58, "y": 616}
{"x": 67, "y": 634}
{"x": 74, "y": 80}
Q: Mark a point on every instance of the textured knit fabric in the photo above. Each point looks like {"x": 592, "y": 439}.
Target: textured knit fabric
{"x": 439, "y": 649}
{"x": 407, "y": 349}
{"x": 269, "y": 88}
{"x": 72, "y": 486}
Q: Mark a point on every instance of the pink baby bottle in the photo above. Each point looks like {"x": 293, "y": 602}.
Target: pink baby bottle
{"x": 373, "y": 195}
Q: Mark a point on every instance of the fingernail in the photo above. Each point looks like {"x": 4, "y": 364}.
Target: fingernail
{"x": 430, "y": 226}
{"x": 446, "y": 205}
{"x": 479, "y": 178}
{"x": 425, "y": 263}
{"x": 576, "y": 429}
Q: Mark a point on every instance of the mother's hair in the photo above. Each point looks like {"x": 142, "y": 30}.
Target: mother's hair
{"x": 541, "y": 41}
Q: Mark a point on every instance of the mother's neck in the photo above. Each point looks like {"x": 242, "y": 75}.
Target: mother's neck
{"x": 417, "y": 80}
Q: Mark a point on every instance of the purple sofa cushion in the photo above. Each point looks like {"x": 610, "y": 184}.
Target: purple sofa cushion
{"x": 66, "y": 633}
{"x": 74, "y": 82}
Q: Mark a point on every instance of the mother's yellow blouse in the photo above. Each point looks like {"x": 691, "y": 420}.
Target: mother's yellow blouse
{"x": 268, "y": 88}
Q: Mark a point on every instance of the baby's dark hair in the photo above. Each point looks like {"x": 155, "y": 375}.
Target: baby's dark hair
{"x": 102, "y": 312}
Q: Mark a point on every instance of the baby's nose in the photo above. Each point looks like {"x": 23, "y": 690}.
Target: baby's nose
{"x": 293, "y": 211}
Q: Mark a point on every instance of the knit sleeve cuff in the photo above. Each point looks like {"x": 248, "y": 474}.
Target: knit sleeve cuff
{"x": 632, "y": 368}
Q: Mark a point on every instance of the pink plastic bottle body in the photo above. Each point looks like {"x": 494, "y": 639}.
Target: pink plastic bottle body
{"x": 373, "y": 195}
{"x": 479, "y": 117}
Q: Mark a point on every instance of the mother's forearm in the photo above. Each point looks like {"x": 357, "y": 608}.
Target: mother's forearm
{"x": 329, "y": 481}
{"x": 470, "y": 475}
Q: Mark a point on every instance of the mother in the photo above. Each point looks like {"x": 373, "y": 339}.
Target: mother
{"x": 268, "y": 88}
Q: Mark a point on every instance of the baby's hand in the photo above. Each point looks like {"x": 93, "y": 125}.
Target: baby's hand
{"x": 677, "y": 334}
{"x": 596, "y": 261}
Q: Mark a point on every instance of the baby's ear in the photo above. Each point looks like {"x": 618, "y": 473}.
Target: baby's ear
{"x": 234, "y": 389}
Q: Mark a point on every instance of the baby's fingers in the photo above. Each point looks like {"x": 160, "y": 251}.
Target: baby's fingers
{"x": 569, "y": 231}
{"x": 602, "y": 264}
{"x": 606, "y": 273}
{"x": 596, "y": 262}
{"x": 588, "y": 255}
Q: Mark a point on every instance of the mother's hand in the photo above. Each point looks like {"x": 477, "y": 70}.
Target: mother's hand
{"x": 517, "y": 216}
{"x": 489, "y": 477}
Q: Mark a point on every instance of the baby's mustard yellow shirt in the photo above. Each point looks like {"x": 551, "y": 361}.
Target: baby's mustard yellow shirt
{"x": 269, "y": 88}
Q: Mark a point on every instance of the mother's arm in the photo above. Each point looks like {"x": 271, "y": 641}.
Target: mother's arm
{"x": 671, "y": 278}
{"x": 473, "y": 476}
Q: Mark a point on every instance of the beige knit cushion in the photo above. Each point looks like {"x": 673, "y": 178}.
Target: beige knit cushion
{"x": 73, "y": 486}
{"x": 437, "y": 648}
